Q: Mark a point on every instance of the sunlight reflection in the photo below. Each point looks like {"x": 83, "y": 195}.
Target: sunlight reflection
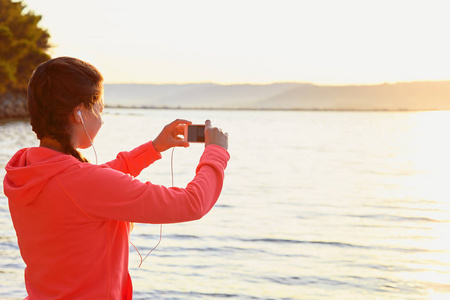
{"x": 429, "y": 150}
{"x": 429, "y": 154}
{"x": 431, "y": 142}
{"x": 438, "y": 296}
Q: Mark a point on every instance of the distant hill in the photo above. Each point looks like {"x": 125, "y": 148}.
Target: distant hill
{"x": 301, "y": 96}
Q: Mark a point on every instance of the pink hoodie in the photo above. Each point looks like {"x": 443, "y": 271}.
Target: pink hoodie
{"x": 72, "y": 218}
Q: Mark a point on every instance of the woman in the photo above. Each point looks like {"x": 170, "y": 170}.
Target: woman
{"x": 72, "y": 218}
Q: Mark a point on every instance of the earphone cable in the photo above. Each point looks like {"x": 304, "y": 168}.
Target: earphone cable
{"x": 160, "y": 226}
{"x": 92, "y": 144}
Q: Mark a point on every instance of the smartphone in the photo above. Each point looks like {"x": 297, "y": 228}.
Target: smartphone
{"x": 194, "y": 133}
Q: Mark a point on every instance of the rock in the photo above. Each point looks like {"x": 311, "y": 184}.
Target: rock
{"x": 13, "y": 106}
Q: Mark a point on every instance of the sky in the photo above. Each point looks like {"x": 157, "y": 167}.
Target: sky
{"x": 246, "y": 41}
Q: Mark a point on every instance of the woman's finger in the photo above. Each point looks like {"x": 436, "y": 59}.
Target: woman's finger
{"x": 178, "y": 122}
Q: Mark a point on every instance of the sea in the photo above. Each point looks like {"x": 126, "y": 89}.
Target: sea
{"x": 315, "y": 205}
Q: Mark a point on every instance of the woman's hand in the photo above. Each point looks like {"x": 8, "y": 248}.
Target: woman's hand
{"x": 215, "y": 136}
{"x": 169, "y": 136}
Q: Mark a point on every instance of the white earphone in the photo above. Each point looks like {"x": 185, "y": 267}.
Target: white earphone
{"x": 90, "y": 140}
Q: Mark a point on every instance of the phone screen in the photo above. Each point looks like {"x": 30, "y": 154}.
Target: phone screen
{"x": 196, "y": 133}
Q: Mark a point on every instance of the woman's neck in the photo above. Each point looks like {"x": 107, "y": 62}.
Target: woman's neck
{"x": 51, "y": 144}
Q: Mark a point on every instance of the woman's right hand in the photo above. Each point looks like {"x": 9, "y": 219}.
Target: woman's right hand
{"x": 215, "y": 136}
{"x": 169, "y": 136}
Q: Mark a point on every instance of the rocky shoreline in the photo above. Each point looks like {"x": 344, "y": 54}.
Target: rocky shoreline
{"x": 13, "y": 107}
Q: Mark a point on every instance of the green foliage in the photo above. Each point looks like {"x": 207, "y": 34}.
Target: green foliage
{"x": 23, "y": 46}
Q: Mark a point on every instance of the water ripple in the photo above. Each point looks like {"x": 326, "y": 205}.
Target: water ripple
{"x": 395, "y": 218}
{"x": 168, "y": 294}
{"x": 338, "y": 244}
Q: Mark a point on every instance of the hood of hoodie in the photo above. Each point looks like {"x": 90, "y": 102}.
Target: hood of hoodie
{"x": 29, "y": 169}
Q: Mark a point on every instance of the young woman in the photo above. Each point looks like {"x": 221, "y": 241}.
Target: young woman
{"x": 72, "y": 218}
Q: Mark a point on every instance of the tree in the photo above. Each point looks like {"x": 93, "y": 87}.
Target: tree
{"x": 23, "y": 46}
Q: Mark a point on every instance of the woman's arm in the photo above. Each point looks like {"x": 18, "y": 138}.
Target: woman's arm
{"x": 110, "y": 195}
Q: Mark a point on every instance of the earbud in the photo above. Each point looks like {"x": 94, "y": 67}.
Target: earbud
{"x": 81, "y": 118}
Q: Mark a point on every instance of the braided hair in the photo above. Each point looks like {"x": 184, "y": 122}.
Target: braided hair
{"x": 55, "y": 89}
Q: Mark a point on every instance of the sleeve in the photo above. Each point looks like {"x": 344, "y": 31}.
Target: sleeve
{"x": 109, "y": 194}
{"x": 133, "y": 162}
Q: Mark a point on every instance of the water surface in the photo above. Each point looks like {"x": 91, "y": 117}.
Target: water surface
{"x": 316, "y": 205}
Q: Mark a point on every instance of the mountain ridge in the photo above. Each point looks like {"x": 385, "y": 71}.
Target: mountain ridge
{"x": 419, "y": 95}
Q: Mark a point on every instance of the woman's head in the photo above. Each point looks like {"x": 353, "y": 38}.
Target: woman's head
{"x": 57, "y": 90}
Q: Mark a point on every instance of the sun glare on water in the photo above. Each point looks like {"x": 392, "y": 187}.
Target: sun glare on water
{"x": 430, "y": 156}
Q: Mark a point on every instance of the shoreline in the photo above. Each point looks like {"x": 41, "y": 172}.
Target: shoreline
{"x": 20, "y": 112}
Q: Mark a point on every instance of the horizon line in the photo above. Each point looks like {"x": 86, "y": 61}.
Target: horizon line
{"x": 279, "y": 82}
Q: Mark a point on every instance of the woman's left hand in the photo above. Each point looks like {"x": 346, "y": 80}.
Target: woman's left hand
{"x": 170, "y": 136}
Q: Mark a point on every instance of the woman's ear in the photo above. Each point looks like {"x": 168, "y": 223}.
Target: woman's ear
{"x": 76, "y": 115}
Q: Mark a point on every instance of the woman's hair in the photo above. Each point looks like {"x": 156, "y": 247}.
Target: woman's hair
{"x": 55, "y": 88}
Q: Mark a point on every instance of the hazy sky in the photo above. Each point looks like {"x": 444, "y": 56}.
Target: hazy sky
{"x": 243, "y": 41}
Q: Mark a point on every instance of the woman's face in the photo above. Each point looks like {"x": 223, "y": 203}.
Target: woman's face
{"x": 92, "y": 121}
